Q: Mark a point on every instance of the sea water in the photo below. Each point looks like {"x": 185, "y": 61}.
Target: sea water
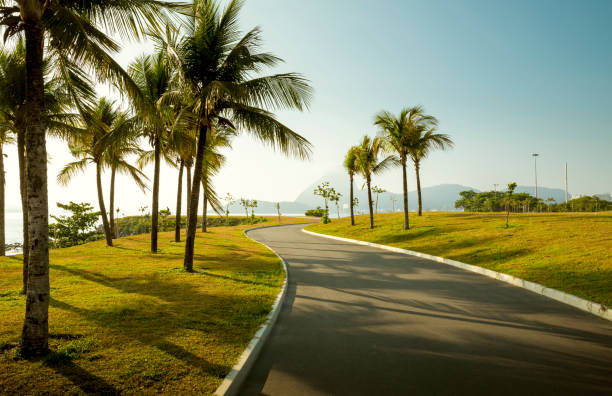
{"x": 14, "y": 233}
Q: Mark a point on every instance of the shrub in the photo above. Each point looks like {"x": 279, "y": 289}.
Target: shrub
{"x": 318, "y": 212}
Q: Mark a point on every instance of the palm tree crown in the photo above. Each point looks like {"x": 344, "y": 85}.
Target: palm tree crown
{"x": 219, "y": 66}
{"x": 368, "y": 163}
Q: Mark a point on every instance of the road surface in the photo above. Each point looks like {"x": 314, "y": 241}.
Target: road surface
{"x": 363, "y": 321}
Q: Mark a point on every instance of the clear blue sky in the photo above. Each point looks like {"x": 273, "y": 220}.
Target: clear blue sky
{"x": 505, "y": 79}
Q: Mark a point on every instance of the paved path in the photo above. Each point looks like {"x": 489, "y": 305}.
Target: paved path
{"x": 363, "y": 321}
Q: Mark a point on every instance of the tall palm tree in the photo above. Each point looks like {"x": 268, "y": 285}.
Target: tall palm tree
{"x": 219, "y": 65}
{"x": 61, "y": 85}
{"x": 154, "y": 76}
{"x": 70, "y": 26}
{"x": 116, "y": 159}
{"x": 350, "y": 164}
{"x": 105, "y": 129}
{"x": 368, "y": 163}
{"x": 399, "y": 133}
{"x": 423, "y": 142}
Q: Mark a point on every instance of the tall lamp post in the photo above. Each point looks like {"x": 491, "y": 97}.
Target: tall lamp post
{"x": 535, "y": 168}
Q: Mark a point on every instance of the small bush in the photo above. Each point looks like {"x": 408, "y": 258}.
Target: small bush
{"x": 318, "y": 212}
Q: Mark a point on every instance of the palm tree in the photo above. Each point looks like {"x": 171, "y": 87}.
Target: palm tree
{"x": 71, "y": 27}
{"x": 218, "y": 66}
{"x": 5, "y": 138}
{"x": 368, "y": 164}
{"x": 116, "y": 159}
{"x": 423, "y": 142}
{"x": 350, "y": 164}
{"x": 213, "y": 161}
{"x": 58, "y": 86}
{"x": 153, "y": 74}
{"x": 105, "y": 131}
{"x": 399, "y": 133}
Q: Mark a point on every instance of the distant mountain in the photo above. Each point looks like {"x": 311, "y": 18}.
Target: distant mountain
{"x": 441, "y": 197}
{"x": 543, "y": 192}
{"x": 607, "y": 196}
{"x": 436, "y": 198}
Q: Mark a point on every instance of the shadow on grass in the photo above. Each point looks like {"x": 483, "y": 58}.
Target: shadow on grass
{"x": 89, "y": 383}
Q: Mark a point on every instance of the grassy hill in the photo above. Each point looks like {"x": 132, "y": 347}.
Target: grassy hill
{"x": 566, "y": 251}
{"x": 123, "y": 320}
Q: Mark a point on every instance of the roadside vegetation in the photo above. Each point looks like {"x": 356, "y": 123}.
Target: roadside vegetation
{"x": 125, "y": 320}
{"x": 571, "y": 252}
{"x": 204, "y": 82}
{"x": 494, "y": 201}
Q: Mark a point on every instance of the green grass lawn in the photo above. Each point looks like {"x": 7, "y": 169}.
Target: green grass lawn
{"x": 569, "y": 252}
{"x": 125, "y": 320}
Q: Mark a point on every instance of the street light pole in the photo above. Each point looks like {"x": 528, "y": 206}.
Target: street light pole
{"x": 535, "y": 168}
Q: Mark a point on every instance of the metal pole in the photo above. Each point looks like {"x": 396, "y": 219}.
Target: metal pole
{"x": 566, "y": 183}
{"x": 535, "y": 168}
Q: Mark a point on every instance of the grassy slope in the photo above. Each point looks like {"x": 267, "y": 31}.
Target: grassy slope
{"x": 125, "y": 320}
{"x": 569, "y": 252}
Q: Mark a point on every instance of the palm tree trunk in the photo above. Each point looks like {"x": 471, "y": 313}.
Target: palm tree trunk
{"x": 188, "y": 190}
{"x": 193, "y": 203}
{"x": 105, "y": 225}
{"x": 35, "y": 333}
{"x": 405, "y": 187}
{"x": 112, "y": 204}
{"x": 370, "y": 203}
{"x": 417, "y": 168}
{"x": 204, "y": 209}
{"x": 179, "y": 197}
{"x": 155, "y": 208}
{"x": 21, "y": 154}
{"x": 2, "y": 213}
{"x": 351, "y": 203}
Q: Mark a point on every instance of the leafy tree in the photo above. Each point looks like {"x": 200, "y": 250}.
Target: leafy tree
{"x": 400, "y": 135}
{"x": 229, "y": 201}
{"x": 350, "y": 164}
{"x": 245, "y": 204}
{"x": 334, "y": 197}
{"x": 76, "y": 229}
{"x": 377, "y": 190}
{"x": 253, "y": 204}
{"x": 221, "y": 68}
{"x": 324, "y": 191}
{"x": 368, "y": 164}
{"x": 551, "y": 202}
{"x": 70, "y": 27}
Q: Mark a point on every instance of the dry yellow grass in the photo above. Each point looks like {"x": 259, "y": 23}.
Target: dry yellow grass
{"x": 125, "y": 320}
{"x": 571, "y": 252}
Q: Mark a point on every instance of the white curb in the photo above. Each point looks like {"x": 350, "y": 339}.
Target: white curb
{"x": 234, "y": 380}
{"x": 565, "y": 298}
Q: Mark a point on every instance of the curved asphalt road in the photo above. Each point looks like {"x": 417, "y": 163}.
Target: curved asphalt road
{"x": 363, "y": 321}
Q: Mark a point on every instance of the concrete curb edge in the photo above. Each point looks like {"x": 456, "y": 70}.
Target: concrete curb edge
{"x": 585, "y": 305}
{"x": 233, "y": 381}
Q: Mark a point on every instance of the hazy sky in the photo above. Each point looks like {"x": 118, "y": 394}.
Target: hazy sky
{"x": 505, "y": 79}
